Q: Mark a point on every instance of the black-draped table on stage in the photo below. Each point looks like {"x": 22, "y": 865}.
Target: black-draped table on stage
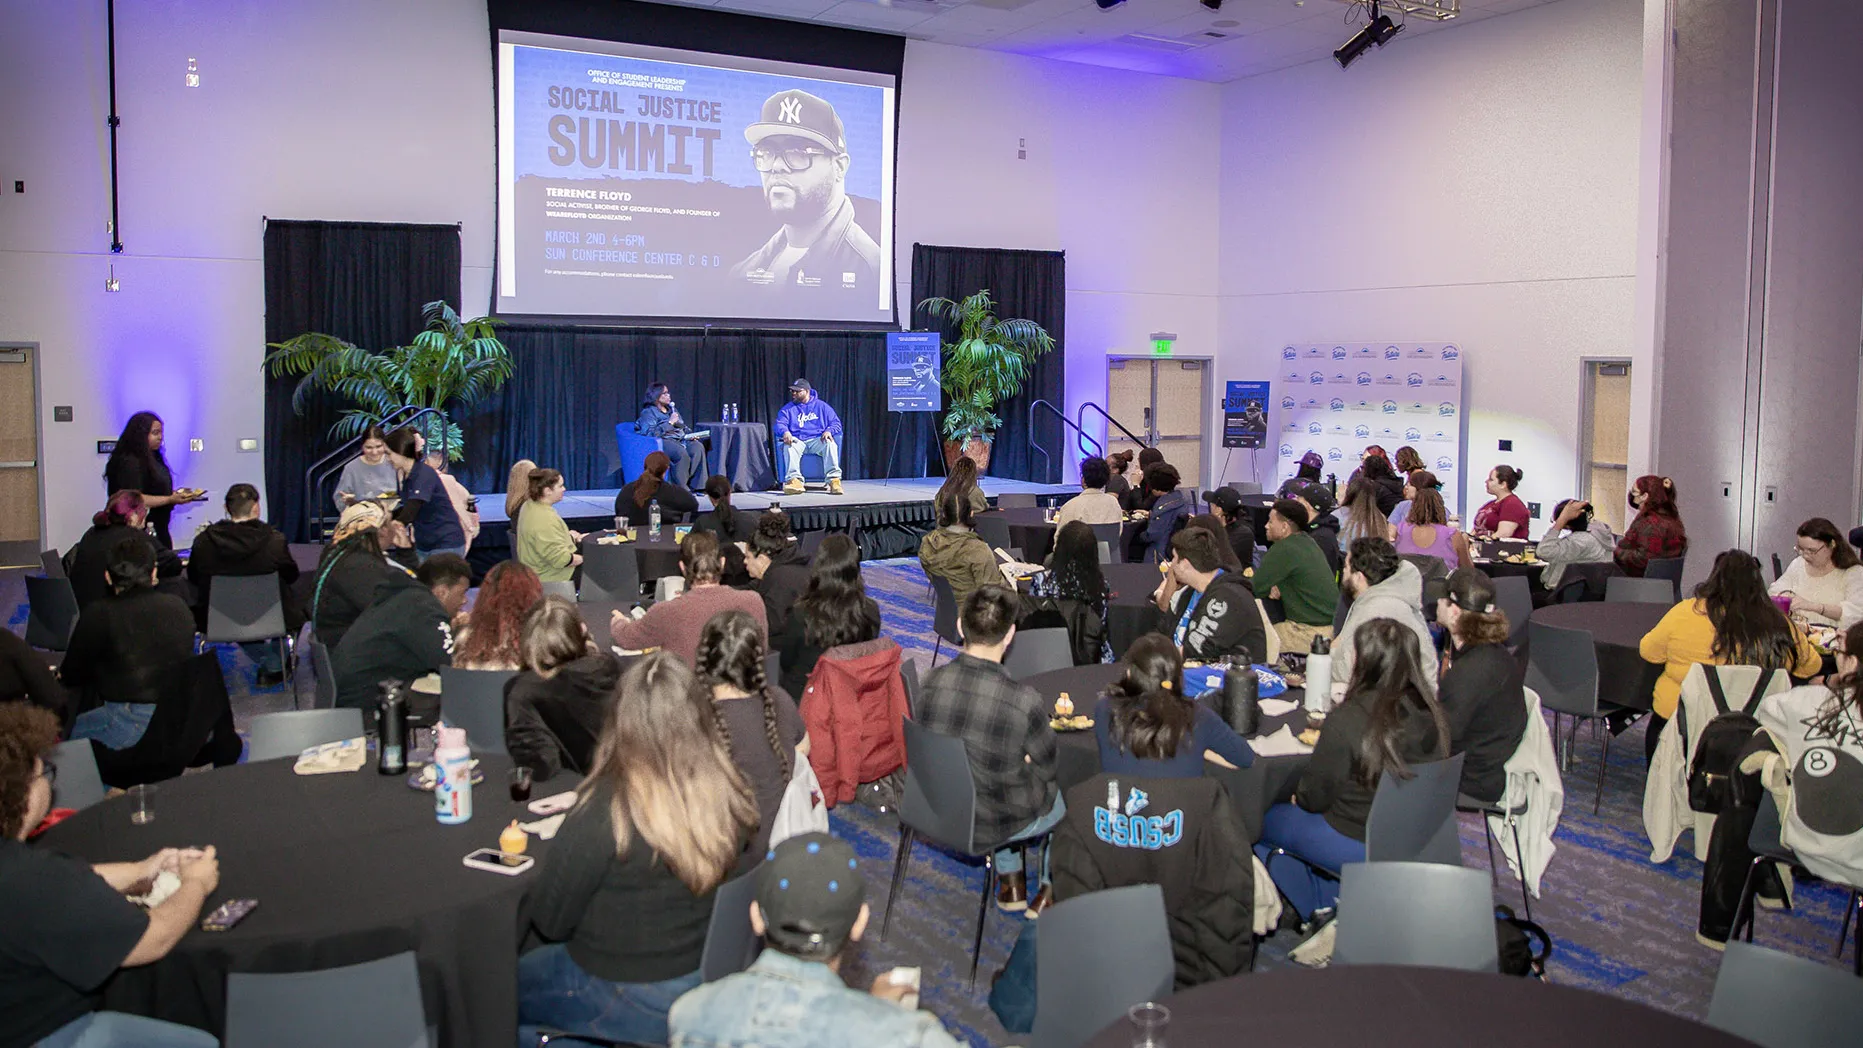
{"x": 741, "y": 451}
{"x": 346, "y": 868}
{"x": 1252, "y": 790}
{"x": 1412, "y": 1008}
{"x": 1617, "y": 629}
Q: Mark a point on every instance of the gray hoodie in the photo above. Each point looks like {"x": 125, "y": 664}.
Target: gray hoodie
{"x": 1594, "y": 545}
{"x": 1399, "y": 597}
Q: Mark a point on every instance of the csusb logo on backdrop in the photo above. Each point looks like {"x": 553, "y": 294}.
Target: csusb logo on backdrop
{"x": 1129, "y": 829}
{"x": 1364, "y": 378}
{"x": 1314, "y": 427}
{"x": 1287, "y": 403}
{"x": 1289, "y": 353}
{"x": 1339, "y": 352}
{"x": 1334, "y": 454}
{"x": 1444, "y": 462}
{"x": 1413, "y": 434}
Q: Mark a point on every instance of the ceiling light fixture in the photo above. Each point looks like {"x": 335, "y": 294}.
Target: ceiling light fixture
{"x": 1380, "y": 30}
{"x": 1213, "y": 5}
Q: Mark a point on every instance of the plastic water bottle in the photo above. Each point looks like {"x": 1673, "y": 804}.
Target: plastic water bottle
{"x": 452, "y": 777}
{"x": 653, "y": 522}
{"x": 732, "y": 416}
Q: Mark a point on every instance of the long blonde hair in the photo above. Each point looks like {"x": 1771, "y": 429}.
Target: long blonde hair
{"x": 517, "y": 487}
{"x": 670, "y": 774}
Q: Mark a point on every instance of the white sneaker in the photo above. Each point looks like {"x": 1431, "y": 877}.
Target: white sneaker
{"x": 1316, "y": 950}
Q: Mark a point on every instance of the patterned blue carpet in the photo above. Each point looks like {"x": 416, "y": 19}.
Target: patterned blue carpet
{"x": 1620, "y": 924}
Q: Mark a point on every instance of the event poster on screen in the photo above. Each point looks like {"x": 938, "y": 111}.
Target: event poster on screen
{"x": 646, "y": 182}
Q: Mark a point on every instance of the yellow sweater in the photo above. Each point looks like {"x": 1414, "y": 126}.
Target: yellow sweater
{"x": 1685, "y": 637}
{"x": 543, "y": 542}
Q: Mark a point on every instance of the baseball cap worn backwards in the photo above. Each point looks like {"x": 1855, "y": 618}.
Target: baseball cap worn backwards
{"x": 810, "y": 891}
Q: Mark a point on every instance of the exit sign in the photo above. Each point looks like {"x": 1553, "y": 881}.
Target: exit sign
{"x": 1162, "y": 346}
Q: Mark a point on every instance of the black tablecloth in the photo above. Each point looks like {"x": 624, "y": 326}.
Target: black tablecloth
{"x": 1412, "y": 1008}
{"x": 1030, "y": 532}
{"x": 741, "y": 451}
{"x": 1257, "y": 506}
{"x": 347, "y": 868}
{"x": 1496, "y": 569}
{"x": 1616, "y": 628}
{"x": 1252, "y": 789}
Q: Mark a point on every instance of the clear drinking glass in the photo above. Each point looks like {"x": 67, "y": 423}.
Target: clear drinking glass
{"x": 620, "y": 524}
{"x": 1148, "y": 1024}
{"x": 141, "y": 803}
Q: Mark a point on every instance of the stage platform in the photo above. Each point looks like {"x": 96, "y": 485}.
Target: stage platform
{"x": 886, "y": 516}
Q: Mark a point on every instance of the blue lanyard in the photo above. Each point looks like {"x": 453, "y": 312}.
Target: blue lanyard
{"x": 1196, "y": 598}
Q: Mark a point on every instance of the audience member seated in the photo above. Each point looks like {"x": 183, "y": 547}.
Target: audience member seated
{"x": 1481, "y": 693}
{"x": 1387, "y": 721}
{"x": 676, "y": 624}
{"x": 964, "y": 479}
{"x": 1656, "y": 532}
{"x": 1141, "y": 497}
{"x": 545, "y": 544}
{"x": 1824, "y": 582}
{"x": 137, "y": 464}
{"x": 244, "y": 545}
{"x": 369, "y": 475}
{"x": 778, "y": 574}
{"x": 811, "y": 907}
{"x": 1387, "y": 486}
{"x": 1226, "y": 507}
{"x": 125, "y": 652}
{"x": 1094, "y": 505}
{"x": 1426, "y": 530}
{"x": 491, "y": 636}
{"x": 1382, "y": 585}
{"x": 625, "y": 894}
{"x": 1211, "y": 612}
{"x": 1405, "y": 462}
{"x": 1294, "y": 572}
{"x": 1804, "y": 733}
{"x": 1359, "y": 516}
{"x": 25, "y": 676}
{"x": 832, "y": 612}
{"x": 1321, "y": 523}
{"x": 761, "y": 728}
{"x": 1307, "y": 470}
{"x": 1503, "y": 516}
{"x": 733, "y": 527}
{"x": 465, "y": 505}
{"x": 1730, "y": 620}
{"x": 1145, "y": 725}
{"x": 1168, "y": 512}
{"x": 425, "y": 505}
{"x": 1225, "y": 554}
{"x": 125, "y": 516}
{"x": 555, "y": 707}
{"x": 1575, "y": 536}
{"x": 1004, "y": 726}
{"x": 954, "y": 552}
{"x": 406, "y": 632}
{"x": 66, "y": 926}
{"x": 517, "y": 487}
{"x": 1414, "y": 480}
{"x": 634, "y": 498}
{"x": 1116, "y": 483}
{"x": 353, "y": 566}
{"x": 1078, "y": 587}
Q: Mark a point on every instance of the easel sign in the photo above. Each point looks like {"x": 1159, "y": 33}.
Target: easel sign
{"x": 913, "y": 367}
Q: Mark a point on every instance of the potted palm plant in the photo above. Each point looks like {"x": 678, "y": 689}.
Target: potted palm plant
{"x": 984, "y": 364}
{"x": 451, "y": 361}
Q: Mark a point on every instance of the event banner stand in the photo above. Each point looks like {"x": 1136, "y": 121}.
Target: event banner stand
{"x": 914, "y": 370}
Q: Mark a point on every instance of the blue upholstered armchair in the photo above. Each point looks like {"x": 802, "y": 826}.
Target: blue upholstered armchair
{"x": 812, "y": 468}
{"x": 634, "y": 448}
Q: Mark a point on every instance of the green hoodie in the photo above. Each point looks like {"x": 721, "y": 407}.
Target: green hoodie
{"x": 962, "y": 558}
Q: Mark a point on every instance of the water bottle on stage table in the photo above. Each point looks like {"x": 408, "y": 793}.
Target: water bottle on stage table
{"x": 653, "y": 522}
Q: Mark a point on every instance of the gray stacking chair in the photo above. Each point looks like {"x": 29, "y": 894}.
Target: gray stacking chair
{"x": 1669, "y": 568}
{"x": 995, "y": 531}
{"x": 51, "y": 612}
{"x": 564, "y": 589}
{"x": 55, "y": 565}
{"x": 1413, "y": 820}
{"x": 730, "y": 944}
{"x": 1514, "y": 597}
{"x": 1108, "y": 537}
{"x": 909, "y": 673}
{"x": 475, "y": 700}
{"x": 78, "y": 786}
{"x": 1099, "y": 954}
{"x": 1415, "y": 913}
{"x": 325, "y": 695}
{"x": 944, "y": 615}
{"x": 243, "y": 609}
{"x": 376, "y": 1004}
{"x": 1562, "y": 667}
{"x": 294, "y": 731}
{"x": 1038, "y": 651}
{"x": 610, "y": 574}
{"x": 1776, "y": 1000}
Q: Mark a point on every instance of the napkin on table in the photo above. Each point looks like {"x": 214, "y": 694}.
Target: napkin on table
{"x": 348, "y": 755}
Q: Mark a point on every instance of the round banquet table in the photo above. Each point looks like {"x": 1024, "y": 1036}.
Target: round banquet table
{"x": 1496, "y": 569}
{"x": 1617, "y": 629}
{"x": 1252, "y": 790}
{"x": 658, "y": 558}
{"x": 740, "y": 451}
{"x": 1030, "y": 531}
{"x": 346, "y": 867}
{"x": 1397, "y": 1007}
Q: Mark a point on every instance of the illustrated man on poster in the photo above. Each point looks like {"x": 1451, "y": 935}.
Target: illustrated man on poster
{"x": 799, "y": 147}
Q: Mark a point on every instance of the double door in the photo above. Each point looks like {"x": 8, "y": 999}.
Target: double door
{"x": 1165, "y": 401}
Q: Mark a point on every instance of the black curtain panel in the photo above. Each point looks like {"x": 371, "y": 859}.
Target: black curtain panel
{"x": 1028, "y": 285}
{"x": 363, "y": 282}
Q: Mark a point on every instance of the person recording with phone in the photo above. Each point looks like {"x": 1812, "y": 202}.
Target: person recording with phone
{"x": 66, "y": 926}
{"x": 659, "y": 417}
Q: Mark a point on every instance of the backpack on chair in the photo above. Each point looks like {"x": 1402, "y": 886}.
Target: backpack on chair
{"x": 1712, "y": 768}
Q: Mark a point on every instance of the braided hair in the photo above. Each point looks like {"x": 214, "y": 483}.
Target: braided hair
{"x": 731, "y": 653}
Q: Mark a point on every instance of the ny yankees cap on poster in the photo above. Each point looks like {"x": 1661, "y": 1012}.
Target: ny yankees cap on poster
{"x": 802, "y": 115}
{"x": 800, "y": 384}
{"x": 810, "y": 891}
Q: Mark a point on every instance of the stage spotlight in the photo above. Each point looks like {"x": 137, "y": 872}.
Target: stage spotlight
{"x": 1108, "y": 5}
{"x": 1348, "y": 52}
{"x": 1382, "y": 29}
{"x": 1214, "y": 5}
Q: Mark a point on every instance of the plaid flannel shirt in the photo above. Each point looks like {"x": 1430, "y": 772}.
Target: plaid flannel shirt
{"x": 1001, "y": 722}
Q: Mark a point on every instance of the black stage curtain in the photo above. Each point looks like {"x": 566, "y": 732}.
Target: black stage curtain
{"x": 363, "y": 282}
{"x": 1027, "y": 285}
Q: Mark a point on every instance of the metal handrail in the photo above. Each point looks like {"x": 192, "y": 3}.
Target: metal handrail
{"x": 330, "y": 465}
{"x": 1065, "y": 421}
{"x": 1082, "y": 414}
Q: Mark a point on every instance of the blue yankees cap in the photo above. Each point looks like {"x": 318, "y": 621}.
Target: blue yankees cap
{"x": 800, "y": 115}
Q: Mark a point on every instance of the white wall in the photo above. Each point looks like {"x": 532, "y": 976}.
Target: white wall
{"x": 1478, "y": 185}
{"x": 1120, "y": 174}
{"x": 325, "y": 109}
